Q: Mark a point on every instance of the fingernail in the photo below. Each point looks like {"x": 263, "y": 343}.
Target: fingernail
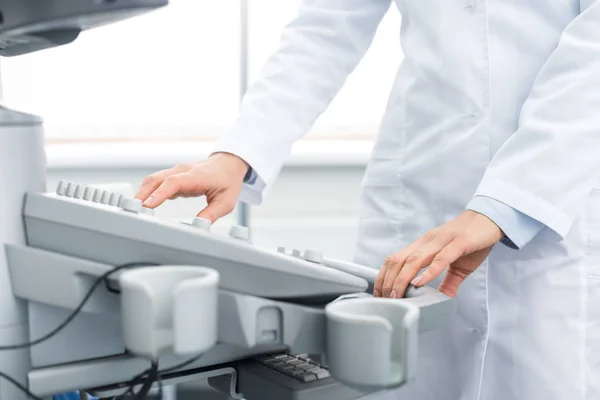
{"x": 417, "y": 280}
{"x": 149, "y": 201}
{"x": 393, "y": 294}
{"x": 376, "y": 293}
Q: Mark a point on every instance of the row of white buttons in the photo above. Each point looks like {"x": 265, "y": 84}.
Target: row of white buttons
{"x": 236, "y": 231}
{"x": 88, "y": 193}
{"x": 309, "y": 255}
{"x": 133, "y": 205}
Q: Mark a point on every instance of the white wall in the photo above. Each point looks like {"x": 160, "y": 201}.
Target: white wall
{"x": 309, "y": 206}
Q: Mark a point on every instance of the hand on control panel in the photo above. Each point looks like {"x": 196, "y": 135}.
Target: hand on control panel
{"x": 219, "y": 178}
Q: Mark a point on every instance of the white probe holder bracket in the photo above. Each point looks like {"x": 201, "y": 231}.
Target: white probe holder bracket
{"x": 169, "y": 309}
{"x": 383, "y": 335}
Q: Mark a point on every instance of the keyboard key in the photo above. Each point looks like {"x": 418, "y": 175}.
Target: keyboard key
{"x": 313, "y": 369}
{"x": 272, "y": 363}
{"x": 294, "y": 362}
{"x": 281, "y": 366}
{"x": 288, "y": 371}
{"x": 321, "y": 373}
{"x": 306, "y": 377}
{"x": 305, "y": 366}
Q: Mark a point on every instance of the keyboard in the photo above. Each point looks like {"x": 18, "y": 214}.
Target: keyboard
{"x": 286, "y": 376}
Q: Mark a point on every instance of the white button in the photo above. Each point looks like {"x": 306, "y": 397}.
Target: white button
{"x": 70, "y": 189}
{"x": 281, "y": 249}
{"x": 60, "y": 188}
{"x": 146, "y": 210}
{"x": 97, "y": 195}
{"x": 105, "y": 197}
{"x": 114, "y": 198}
{"x": 313, "y": 256}
{"x": 119, "y": 200}
{"x": 131, "y": 205}
{"x": 201, "y": 223}
{"x": 239, "y": 232}
{"x": 88, "y": 192}
{"x": 296, "y": 253}
{"x": 78, "y": 191}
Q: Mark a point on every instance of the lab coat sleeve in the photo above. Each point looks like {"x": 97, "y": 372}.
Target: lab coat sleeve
{"x": 518, "y": 228}
{"x": 317, "y": 52}
{"x": 547, "y": 169}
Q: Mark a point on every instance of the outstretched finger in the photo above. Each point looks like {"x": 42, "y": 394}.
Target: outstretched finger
{"x": 151, "y": 183}
{"x": 453, "y": 279}
{"x": 415, "y": 262}
{"x": 171, "y": 187}
{"x": 378, "y": 285}
{"x": 217, "y": 208}
{"x": 445, "y": 257}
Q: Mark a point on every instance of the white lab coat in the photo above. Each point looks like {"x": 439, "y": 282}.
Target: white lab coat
{"x": 499, "y": 98}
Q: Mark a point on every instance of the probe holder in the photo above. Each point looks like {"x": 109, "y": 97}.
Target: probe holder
{"x": 169, "y": 308}
{"x": 382, "y": 334}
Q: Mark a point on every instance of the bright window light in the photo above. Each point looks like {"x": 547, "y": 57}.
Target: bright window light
{"x": 358, "y": 108}
{"x": 174, "y": 73}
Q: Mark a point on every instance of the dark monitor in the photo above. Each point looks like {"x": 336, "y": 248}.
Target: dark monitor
{"x": 27, "y": 26}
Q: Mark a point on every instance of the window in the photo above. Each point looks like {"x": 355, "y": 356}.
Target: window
{"x": 174, "y": 73}
{"x": 358, "y": 108}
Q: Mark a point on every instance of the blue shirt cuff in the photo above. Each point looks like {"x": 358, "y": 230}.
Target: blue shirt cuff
{"x": 251, "y": 176}
{"x": 519, "y": 229}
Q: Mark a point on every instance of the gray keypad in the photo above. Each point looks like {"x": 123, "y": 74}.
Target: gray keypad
{"x": 299, "y": 367}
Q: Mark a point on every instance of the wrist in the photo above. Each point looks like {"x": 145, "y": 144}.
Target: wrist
{"x": 238, "y": 165}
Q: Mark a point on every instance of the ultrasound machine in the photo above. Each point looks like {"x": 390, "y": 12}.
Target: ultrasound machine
{"x": 99, "y": 294}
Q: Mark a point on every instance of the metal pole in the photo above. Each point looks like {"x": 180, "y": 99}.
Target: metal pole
{"x": 243, "y": 214}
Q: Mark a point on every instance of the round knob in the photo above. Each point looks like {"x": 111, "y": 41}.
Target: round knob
{"x": 239, "y": 232}
{"x": 131, "y": 205}
{"x": 60, "y": 188}
{"x": 201, "y": 223}
{"x": 105, "y": 197}
{"x": 70, "y": 189}
{"x": 88, "y": 193}
{"x": 113, "y": 199}
{"x": 97, "y": 195}
{"x": 313, "y": 256}
{"x": 296, "y": 253}
{"x": 281, "y": 249}
{"x": 148, "y": 211}
{"x": 78, "y": 191}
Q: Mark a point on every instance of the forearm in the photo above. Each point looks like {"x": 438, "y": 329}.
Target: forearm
{"x": 318, "y": 50}
{"x": 549, "y": 166}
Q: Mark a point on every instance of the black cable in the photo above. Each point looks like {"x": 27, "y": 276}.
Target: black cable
{"x": 181, "y": 365}
{"x": 153, "y": 375}
{"x": 19, "y": 386}
{"x": 139, "y": 378}
{"x": 66, "y": 322}
{"x": 76, "y": 311}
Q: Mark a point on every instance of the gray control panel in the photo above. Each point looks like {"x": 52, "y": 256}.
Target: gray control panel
{"x": 106, "y": 227}
{"x": 257, "y": 300}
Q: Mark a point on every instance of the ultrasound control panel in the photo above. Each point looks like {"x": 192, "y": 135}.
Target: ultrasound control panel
{"x": 109, "y": 227}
